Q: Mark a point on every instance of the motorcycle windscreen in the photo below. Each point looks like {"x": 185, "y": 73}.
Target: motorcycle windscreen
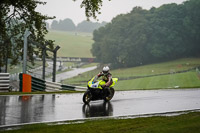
{"x": 97, "y": 84}
{"x": 90, "y": 82}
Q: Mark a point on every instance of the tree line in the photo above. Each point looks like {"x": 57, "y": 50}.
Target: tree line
{"x": 68, "y": 25}
{"x": 140, "y": 37}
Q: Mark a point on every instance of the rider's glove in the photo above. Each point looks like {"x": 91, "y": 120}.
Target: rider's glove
{"x": 100, "y": 74}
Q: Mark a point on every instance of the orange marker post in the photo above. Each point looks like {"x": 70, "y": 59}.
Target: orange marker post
{"x": 26, "y": 86}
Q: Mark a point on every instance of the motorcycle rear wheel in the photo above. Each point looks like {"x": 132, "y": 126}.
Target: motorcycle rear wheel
{"x": 87, "y": 97}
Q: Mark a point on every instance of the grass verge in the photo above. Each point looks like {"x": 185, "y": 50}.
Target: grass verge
{"x": 173, "y": 81}
{"x": 185, "y": 123}
{"x": 189, "y": 79}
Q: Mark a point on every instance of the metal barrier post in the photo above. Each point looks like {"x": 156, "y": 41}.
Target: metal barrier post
{"x": 27, "y": 33}
{"x": 54, "y": 63}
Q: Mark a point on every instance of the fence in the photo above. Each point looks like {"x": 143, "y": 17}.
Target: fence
{"x": 4, "y": 81}
{"x": 29, "y": 83}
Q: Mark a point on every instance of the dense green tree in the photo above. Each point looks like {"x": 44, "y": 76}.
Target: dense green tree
{"x": 54, "y": 25}
{"x": 166, "y": 26}
{"x": 15, "y": 17}
{"x": 146, "y": 36}
{"x": 121, "y": 37}
{"x": 67, "y": 25}
{"x": 191, "y": 23}
{"x": 88, "y": 26}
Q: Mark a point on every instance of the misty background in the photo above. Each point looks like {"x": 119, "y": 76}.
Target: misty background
{"x": 68, "y": 25}
{"x": 63, "y": 9}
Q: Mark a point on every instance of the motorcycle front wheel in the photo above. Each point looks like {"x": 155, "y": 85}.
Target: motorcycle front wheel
{"x": 87, "y": 97}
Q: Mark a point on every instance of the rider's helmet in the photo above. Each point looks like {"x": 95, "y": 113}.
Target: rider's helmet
{"x": 106, "y": 70}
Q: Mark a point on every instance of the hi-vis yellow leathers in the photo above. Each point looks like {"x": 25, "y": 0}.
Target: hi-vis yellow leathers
{"x": 97, "y": 83}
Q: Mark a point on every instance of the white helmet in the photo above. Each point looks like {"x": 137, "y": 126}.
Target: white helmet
{"x": 106, "y": 69}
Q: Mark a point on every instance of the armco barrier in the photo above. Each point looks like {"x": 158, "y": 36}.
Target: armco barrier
{"x": 68, "y": 87}
{"x": 51, "y": 86}
{"x": 38, "y": 84}
{"x": 4, "y": 81}
{"x": 30, "y": 84}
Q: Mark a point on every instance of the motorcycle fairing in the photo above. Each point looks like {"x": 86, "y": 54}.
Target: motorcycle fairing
{"x": 97, "y": 83}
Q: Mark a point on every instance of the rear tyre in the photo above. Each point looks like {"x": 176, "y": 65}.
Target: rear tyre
{"x": 87, "y": 97}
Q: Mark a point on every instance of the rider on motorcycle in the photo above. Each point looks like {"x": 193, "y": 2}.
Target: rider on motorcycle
{"x": 107, "y": 77}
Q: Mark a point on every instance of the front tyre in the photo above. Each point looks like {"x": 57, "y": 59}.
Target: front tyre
{"x": 87, "y": 97}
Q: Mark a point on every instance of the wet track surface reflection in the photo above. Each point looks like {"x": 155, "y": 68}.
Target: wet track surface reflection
{"x": 97, "y": 109}
{"x": 58, "y": 107}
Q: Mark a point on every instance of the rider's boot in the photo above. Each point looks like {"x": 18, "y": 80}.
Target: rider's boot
{"x": 110, "y": 93}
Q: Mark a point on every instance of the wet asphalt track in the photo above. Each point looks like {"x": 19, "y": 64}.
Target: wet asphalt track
{"x": 41, "y": 108}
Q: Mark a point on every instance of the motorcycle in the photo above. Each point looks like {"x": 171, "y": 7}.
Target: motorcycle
{"x": 95, "y": 90}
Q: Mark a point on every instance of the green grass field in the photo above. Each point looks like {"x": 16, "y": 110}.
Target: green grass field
{"x": 175, "y": 80}
{"x": 72, "y": 44}
{"x": 79, "y": 45}
{"x": 185, "y": 123}
{"x": 172, "y": 81}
